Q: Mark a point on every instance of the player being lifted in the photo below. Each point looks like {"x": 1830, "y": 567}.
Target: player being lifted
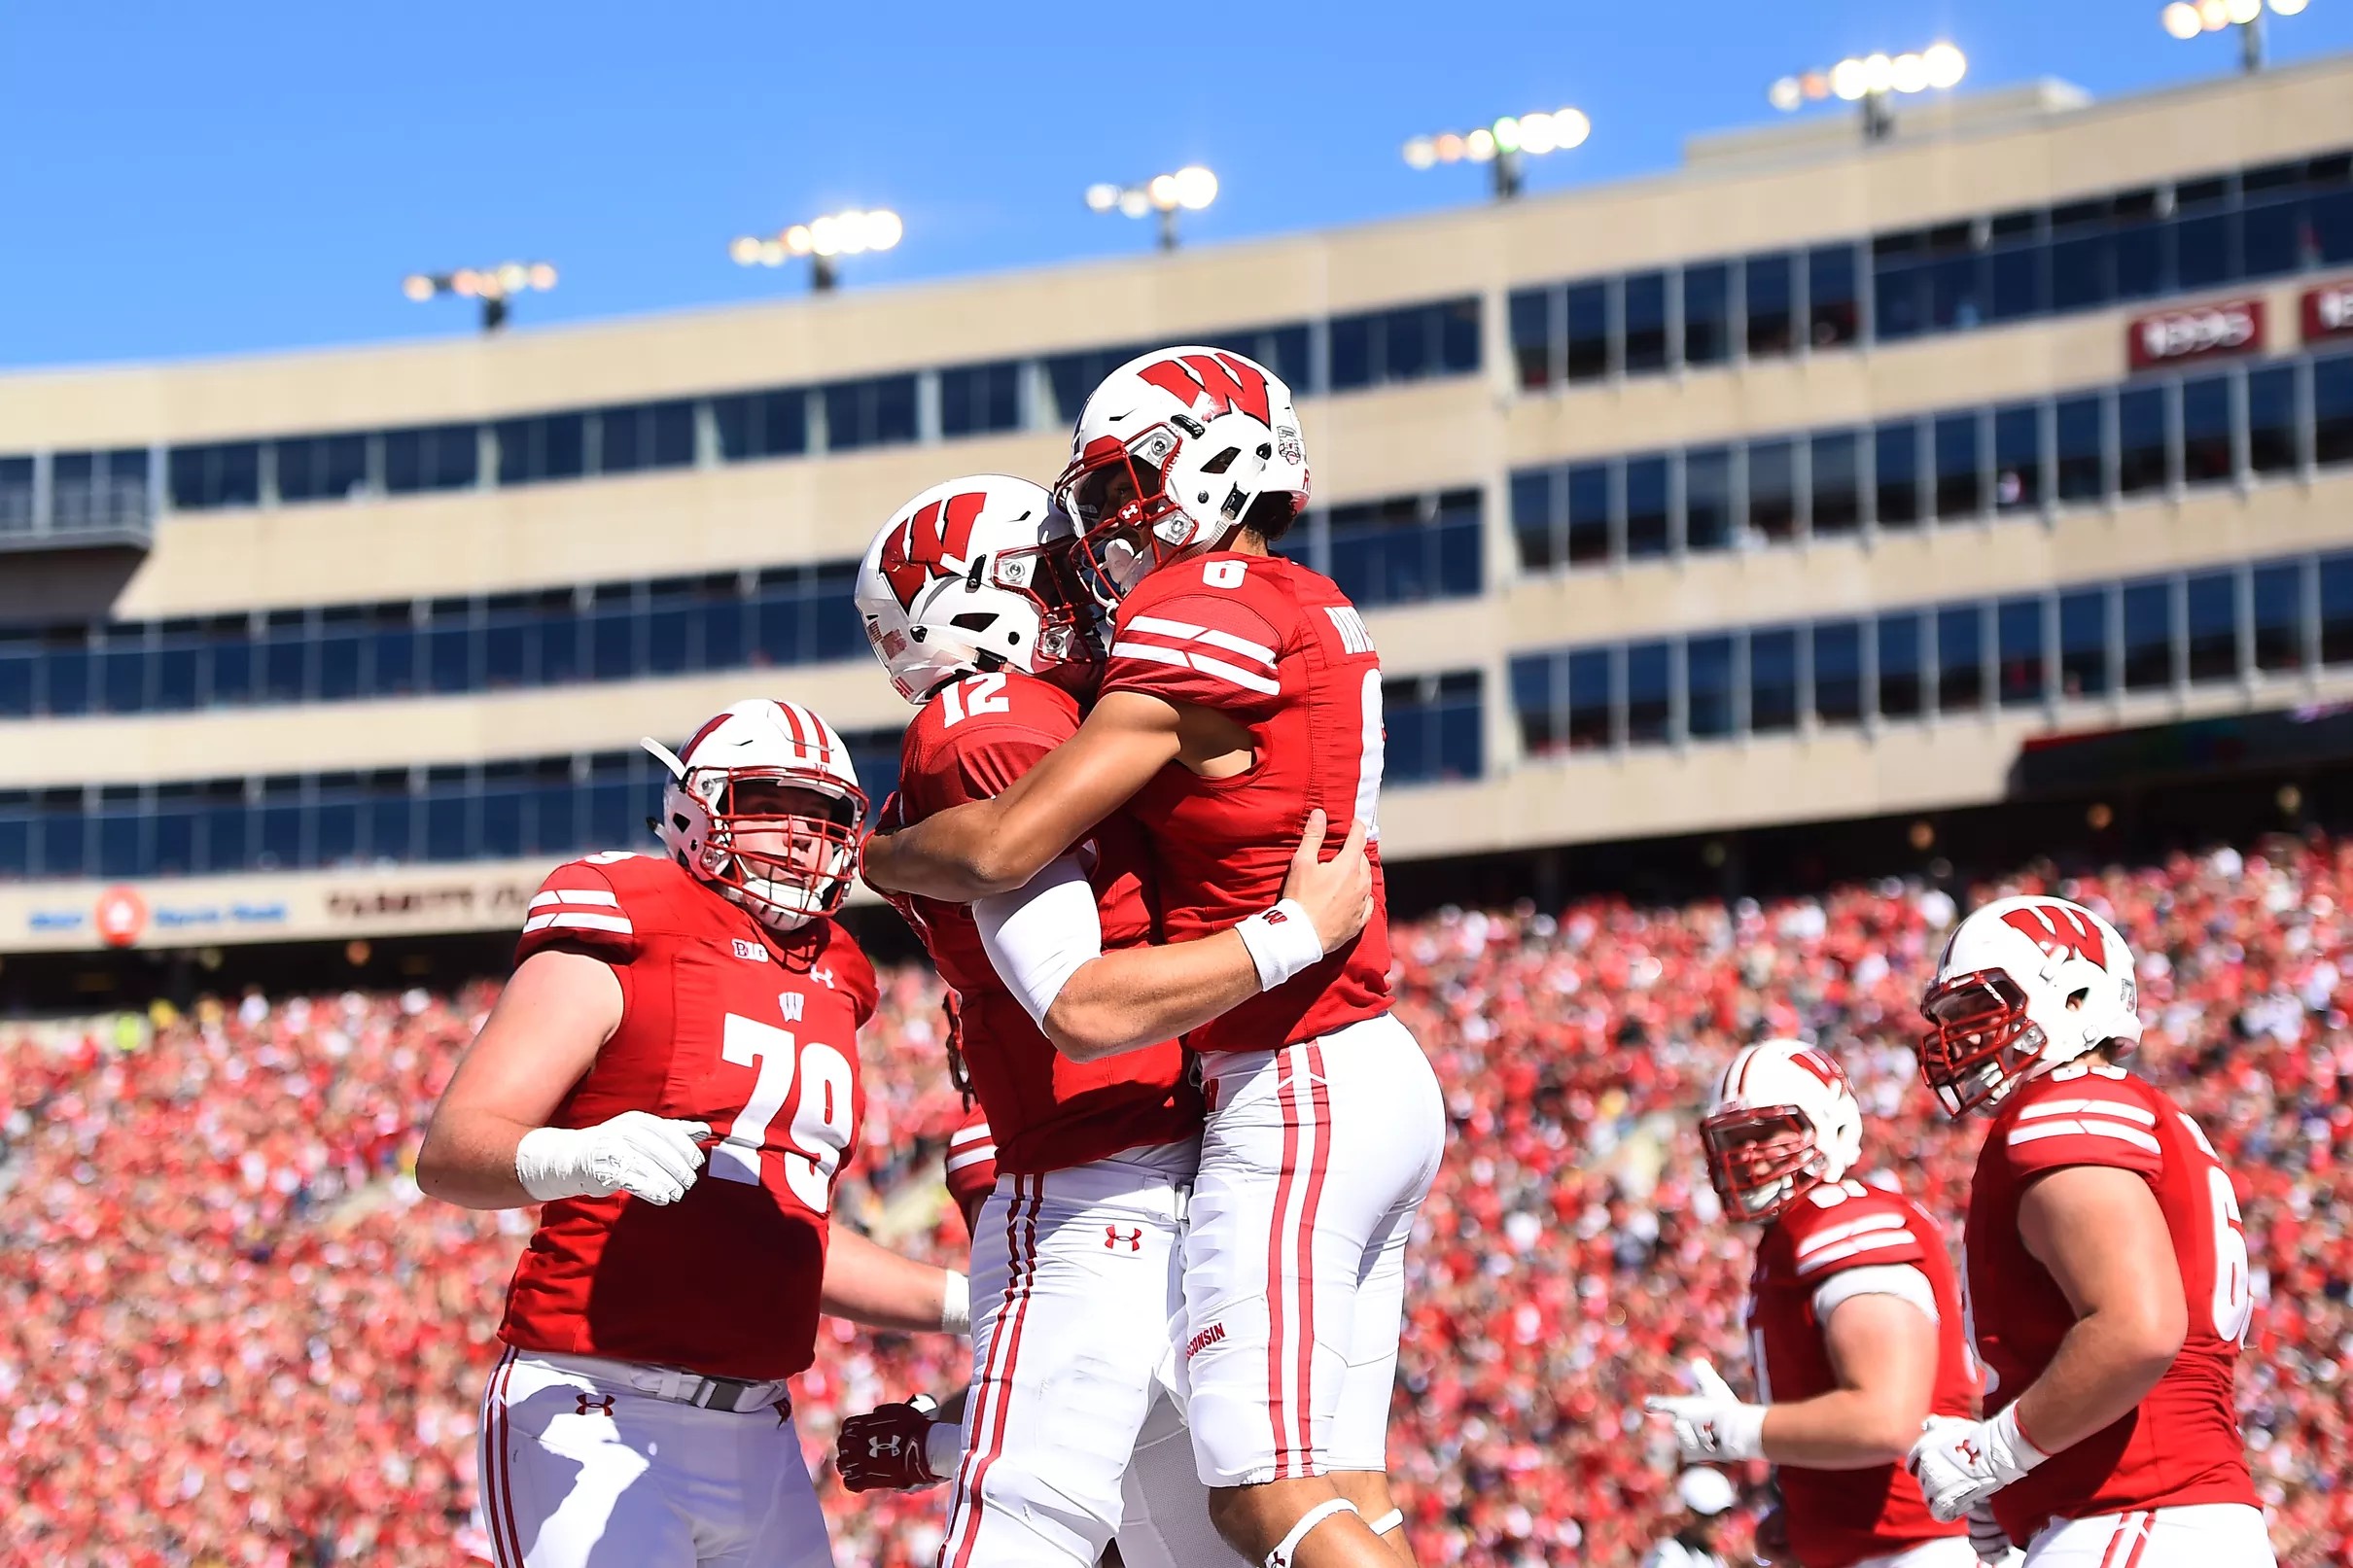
{"x": 1241, "y": 693}
{"x": 2106, "y": 1269}
{"x": 1067, "y": 1022}
{"x": 1855, "y": 1321}
{"x": 663, "y": 1006}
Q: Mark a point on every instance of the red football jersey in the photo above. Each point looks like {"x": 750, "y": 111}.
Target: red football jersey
{"x": 1839, "y": 1516}
{"x": 973, "y": 738}
{"x": 2181, "y": 1444}
{"x": 726, "y": 1023}
{"x": 1278, "y": 650}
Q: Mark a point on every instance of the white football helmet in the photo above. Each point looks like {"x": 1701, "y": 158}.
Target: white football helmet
{"x": 1171, "y": 454}
{"x": 804, "y": 864}
{"x": 1782, "y": 1120}
{"x": 971, "y": 576}
{"x": 2025, "y": 984}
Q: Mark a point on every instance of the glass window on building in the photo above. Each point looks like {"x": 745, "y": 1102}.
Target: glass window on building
{"x": 1960, "y": 659}
{"x": 1772, "y": 680}
{"x": 1587, "y": 513}
{"x": 2017, "y": 282}
{"x": 1707, "y": 313}
{"x": 1645, "y": 295}
{"x": 2144, "y": 265}
{"x": 1960, "y": 490}
{"x": 1536, "y": 520}
{"x": 431, "y": 457}
{"x": 2279, "y": 617}
{"x": 2271, "y": 422}
{"x": 1769, "y": 299}
{"x": 1955, "y": 272}
{"x": 975, "y": 399}
{"x": 1589, "y": 699}
{"x": 1587, "y": 306}
{"x": 2018, "y": 630}
{"x": 1837, "y": 672}
{"x": 1772, "y": 490}
{"x": 1834, "y": 469}
{"x": 1833, "y": 295}
{"x": 1708, "y": 681}
{"x": 2143, "y": 442}
{"x": 1896, "y": 473}
{"x": 2148, "y": 625}
{"x": 2211, "y": 603}
{"x": 2083, "y": 256}
{"x": 2206, "y": 456}
{"x": 16, "y": 495}
{"x": 2082, "y": 427}
{"x": 2018, "y": 458}
{"x": 2205, "y": 235}
{"x": 1649, "y": 694}
{"x": 1646, "y": 516}
{"x": 1708, "y": 499}
{"x": 1433, "y": 727}
{"x": 1530, "y": 318}
{"x": 2333, "y": 410}
{"x": 321, "y": 467}
{"x": 2273, "y": 220}
{"x": 1897, "y": 307}
{"x": 2083, "y": 618}
{"x": 1538, "y": 703}
{"x": 549, "y": 447}
{"x": 203, "y": 478}
{"x": 2336, "y": 610}
{"x": 877, "y": 411}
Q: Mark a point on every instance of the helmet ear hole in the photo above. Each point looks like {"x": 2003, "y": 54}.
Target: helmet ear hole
{"x": 2078, "y": 997}
{"x": 974, "y": 620}
{"x": 678, "y": 823}
{"x": 1222, "y": 461}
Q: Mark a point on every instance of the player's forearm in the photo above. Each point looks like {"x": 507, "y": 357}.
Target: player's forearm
{"x": 2104, "y": 1367}
{"x": 468, "y": 1158}
{"x": 1134, "y": 997}
{"x": 1845, "y": 1429}
{"x": 876, "y": 1288}
{"x": 955, "y": 855}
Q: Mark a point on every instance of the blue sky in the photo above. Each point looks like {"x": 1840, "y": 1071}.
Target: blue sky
{"x": 183, "y": 180}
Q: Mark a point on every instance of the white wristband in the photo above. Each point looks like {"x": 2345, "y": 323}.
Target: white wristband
{"x": 955, "y": 1304}
{"x": 547, "y": 1162}
{"x": 945, "y": 1447}
{"x": 1282, "y": 942}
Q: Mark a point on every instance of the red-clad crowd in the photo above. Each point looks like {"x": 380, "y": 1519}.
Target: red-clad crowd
{"x": 233, "y": 1332}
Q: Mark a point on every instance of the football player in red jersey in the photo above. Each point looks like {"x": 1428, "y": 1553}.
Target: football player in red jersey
{"x": 1066, "y": 1025}
{"x": 663, "y": 1006}
{"x": 1241, "y": 692}
{"x": 2105, "y": 1270}
{"x": 1854, "y": 1320}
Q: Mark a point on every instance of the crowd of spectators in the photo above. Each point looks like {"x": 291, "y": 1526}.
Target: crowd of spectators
{"x": 232, "y": 1333}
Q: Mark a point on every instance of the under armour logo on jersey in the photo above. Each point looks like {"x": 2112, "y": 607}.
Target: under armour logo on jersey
{"x": 600, "y": 1405}
{"x": 824, "y": 977}
{"x": 750, "y": 951}
{"x": 1111, "y": 1239}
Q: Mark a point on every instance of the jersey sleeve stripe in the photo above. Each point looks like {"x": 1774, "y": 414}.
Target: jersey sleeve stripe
{"x": 1876, "y": 1241}
{"x": 1185, "y": 631}
{"x": 1197, "y": 661}
{"x": 971, "y": 1157}
{"x": 2122, "y": 1110}
{"x": 579, "y": 922}
{"x": 965, "y": 1135}
{"x": 577, "y": 895}
{"x": 1839, "y": 1232}
{"x": 2085, "y": 1129}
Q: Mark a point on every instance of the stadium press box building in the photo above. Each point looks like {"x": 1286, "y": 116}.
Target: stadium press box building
{"x": 1812, "y": 481}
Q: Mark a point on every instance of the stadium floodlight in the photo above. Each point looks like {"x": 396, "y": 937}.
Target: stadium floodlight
{"x": 1505, "y": 145}
{"x": 2186, "y": 20}
{"x": 854, "y": 231}
{"x": 492, "y": 286}
{"x": 1871, "y": 79}
{"x": 1189, "y": 190}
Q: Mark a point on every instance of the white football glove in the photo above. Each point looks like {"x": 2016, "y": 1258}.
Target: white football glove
{"x": 1986, "y": 1537}
{"x": 1960, "y": 1463}
{"x": 636, "y": 1152}
{"x": 1713, "y": 1425}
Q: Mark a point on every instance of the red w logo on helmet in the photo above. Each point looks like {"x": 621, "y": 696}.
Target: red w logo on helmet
{"x": 2057, "y": 930}
{"x": 1222, "y": 381}
{"x": 938, "y": 534}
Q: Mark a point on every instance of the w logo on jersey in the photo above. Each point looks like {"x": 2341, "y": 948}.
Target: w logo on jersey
{"x": 2058, "y": 931}
{"x": 1211, "y": 384}
{"x": 932, "y": 544}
